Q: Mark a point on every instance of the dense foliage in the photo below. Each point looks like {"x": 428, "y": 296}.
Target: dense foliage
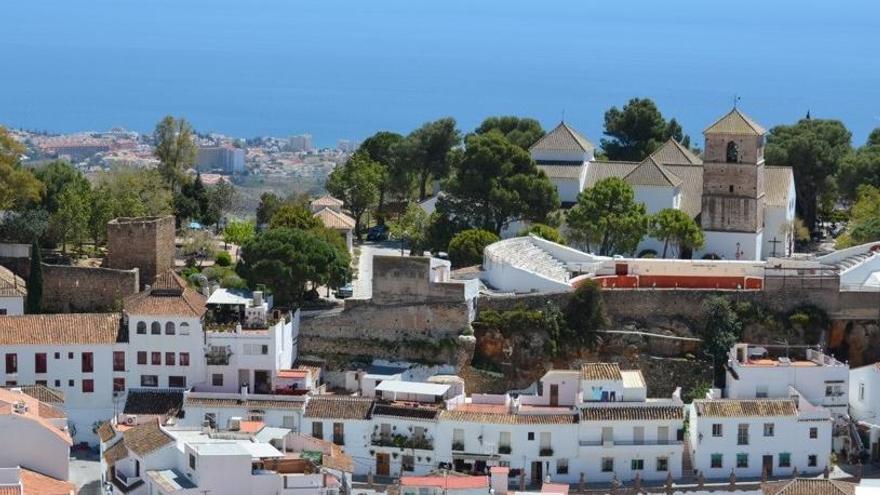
{"x": 607, "y": 219}
{"x": 466, "y": 247}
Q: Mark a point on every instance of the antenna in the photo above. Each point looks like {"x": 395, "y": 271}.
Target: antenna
{"x": 563, "y": 115}
{"x": 736, "y": 99}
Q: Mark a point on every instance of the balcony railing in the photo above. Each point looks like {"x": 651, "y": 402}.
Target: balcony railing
{"x": 127, "y": 480}
{"x": 611, "y": 443}
{"x": 504, "y": 449}
{"x": 545, "y": 452}
{"x": 218, "y": 358}
{"x": 402, "y": 441}
{"x": 458, "y": 446}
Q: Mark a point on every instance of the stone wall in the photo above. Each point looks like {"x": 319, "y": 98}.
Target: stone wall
{"x": 408, "y": 280}
{"x": 76, "y": 289}
{"x": 337, "y": 351}
{"x": 367, "y": 320}
{"x": 145, "y": 243}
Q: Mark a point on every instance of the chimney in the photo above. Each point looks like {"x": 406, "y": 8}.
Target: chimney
{"x": 498, "y": 479}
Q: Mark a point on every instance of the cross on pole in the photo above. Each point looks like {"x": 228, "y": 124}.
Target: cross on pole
{"x": 775, "y": 242}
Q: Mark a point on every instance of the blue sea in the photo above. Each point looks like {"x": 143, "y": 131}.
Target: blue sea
{"x": 347, "y": 68}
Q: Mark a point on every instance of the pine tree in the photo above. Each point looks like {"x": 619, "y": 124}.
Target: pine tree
{"x": 34, "y": 304}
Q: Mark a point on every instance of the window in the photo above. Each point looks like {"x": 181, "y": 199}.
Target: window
{"x": 662, "y": 464}
{"x": 142, "y": 357}
{"x": 732, "y": 153}
{"x": 156, "y": 358}
{"x": 730, "y": 188}
{"x": 717, "y": 461}
{"x": 339, "y": 433}
{"x": 861, "y": 390}
{"x": 69, "y": 355}
{"x": 256, "y": 349}
{"x": 88, "y": 386}
{"x": 169, "y": 328}
{"x": 210, "y": 420}
{"x": 742, "y": 460}
{"x": 607, "y": 434}
{"x": 155, "y": 328}
{"x": 40, "y": 362}
{"x": 407, "y": 463}
{"x": 769, "y": 429}
{"x": 637, "y": 464}
{"x": 289, "y": 422}
{"x": 784, "y": 459}
{"x": 184, "y": 328}
{"x": 662, "y": 435}
{"x": 11, "y": 363}
{"x": 192, "y": 461}
{"x": 57, "y": 355}
{"x": 607, "y": 464}
{"x": 457, "y": 439}
{"x": 176, "y": 382}
{"x": 814, "y": 432}
{"x": 761, "y": 391}
{"x": 184, "y": 359}
{"x": 169, "y": 359}
{"x": 742, "y": 434}
{"x": 11, "y": 383}
{"x": 833, "y": 389}
{"x": 561, "y": 466}
{"x": 318, "y": 430}
{"x": 119, "y": 384}
{"x": 149, "y": 381}
{"x": 504, "y": 442}
{"x": 812, "y": 460}
{"x": 531, "y": 435}
{"x": 44, "y": 383}
{"x": 717, "y": 430}
{"x": 142, "y": 328}
{"x": 57, "y": 383}
{"x": 638, "y": 435}
{"x": 118, "y": 360}
{"x": 88, "y": 362}
{"x": 217, "y": 379}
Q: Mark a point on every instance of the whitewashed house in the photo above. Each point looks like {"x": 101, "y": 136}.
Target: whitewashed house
{"x": 13, "y": 292}
{"x": 563, "y": 154}
{"x": 864, "y": 405}
{"x": 750, "y": 437}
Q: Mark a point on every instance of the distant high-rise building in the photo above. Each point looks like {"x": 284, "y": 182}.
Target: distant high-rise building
{"x": 302, "y": 142}
{"x": 227, "y": 159}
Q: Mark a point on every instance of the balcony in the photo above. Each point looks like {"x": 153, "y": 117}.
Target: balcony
{"x": 127, "y": 482}
{"x": 504, "y": 449}
{"x": 459, "y": 446}
{"x": 218, "y": 358}
{"x": 612, "y": 443}
{"x": 403, "y": 442}
{"x": 545, "y": 452}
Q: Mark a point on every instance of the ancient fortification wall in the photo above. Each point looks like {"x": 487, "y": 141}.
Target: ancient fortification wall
{"x": 76, "y": 289}
{"x": 146, "y": 243}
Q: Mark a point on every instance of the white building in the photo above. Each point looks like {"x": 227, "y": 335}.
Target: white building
{"x": 252, "y": 459}
{"x": 12, "y": 293}
{"x": 858, "y": 266}
{"x": 35, "y": 439}
{"x": 301, "y": 142}
{"x": 748, "y": 437}
{"x": 864, "y": 405}
{"x": 563, "y": 154}
{"x": 226, "y": 159}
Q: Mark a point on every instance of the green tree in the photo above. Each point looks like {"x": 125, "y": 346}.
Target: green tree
{"x": 412, "y": 229}
{"x": 466, "y": 247}
{"x": 34, "y": 301}
{"x": 221, "y": 198}
{"x": 607, "y": 218}
{"x": 269, "y": 204}
{"x": 544, "y": 232}
{"x": 426, "y": 148}
{"x": 103, "y": 209}
{"x": 674, "y": 226}
{"x": 859, "y": 167}
{"x": 18, "y": 186}
{"x": 722, "y": 328}
{"x": 523, "y": 132}
{"x": 293, "y": 216}
{"x": 70, "y": 222}
{"x": 239, "y": 232}
{"x": 58, "y": 176}
{"x": 135, "y": 192}
{"x": 198, "y": 246}
{"x": 288, "y": 261}
{"x": 442, "y": 227}
{"x": 637, "y": 130}
{"x": 384, "y": 149}
{"x": 495, "y": 182}
{"x": 356, "y": 183}
{"x": 191, "y": 202}
{"x": 814, "y": 149}
{"x": 176, "y": 149}
{"x": 864, "y": 219}
{"x": 585, "y": 312}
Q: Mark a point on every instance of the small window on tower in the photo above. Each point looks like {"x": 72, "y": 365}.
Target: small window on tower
{"x": 730, "y": 188}
{"x": 732, "y": 152}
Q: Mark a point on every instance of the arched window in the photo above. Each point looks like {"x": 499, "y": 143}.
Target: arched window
{"x": 155, "y": 328}
{"x": 142, "y": 328}
{"x": 184, "y": 328}
{"x": 732, "y": 152}
{"x": 169, "y": 328}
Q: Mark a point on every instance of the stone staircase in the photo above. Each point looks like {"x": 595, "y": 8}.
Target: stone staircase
{"x": 528, "y": 256}
{"x": 687, "y": 465}
{"x": 851, "y": 261}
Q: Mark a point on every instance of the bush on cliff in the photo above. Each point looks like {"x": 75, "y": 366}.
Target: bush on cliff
{"x": 466, "y": 248}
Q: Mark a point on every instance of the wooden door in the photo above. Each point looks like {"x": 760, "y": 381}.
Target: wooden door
{"x": 537, "y": 472}
{"x": 383, "y": 464}
{"x": 554, "y": 395}
{"x": 768, "y": 465}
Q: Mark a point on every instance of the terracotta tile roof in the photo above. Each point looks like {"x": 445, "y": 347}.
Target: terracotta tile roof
{"x": 327, "y": 200}
{"x": 673, "y": 152}
{"x": 39, "y": 484}
{"x": 777, "y": 182}
{"x": 251, "y": 426}
{"x": 731, "y": 408}
{"x": 601, "y": 371}
{"x": 598, "y": 170}
{"x": 632, "y": 413}
{"x": 156, "y": 402}
{"x": 169, "y": 295}
{"x": 808, "y": 486}
{"x": 338, "y": 460}
{"x": 563, "y": 138}
{"x": 49, "y": 411}
{"x": 11, "y": 285}
{"x": 506, "y": 418}
{"x": 106, "y": 431}
{"x": 406, "y": 411}
{"x": 334, "y": 219}
{"x": 562, "y": 171}
{"x": 34, "y": 410}
{"x": 446, "y": 482}
{"x": 651, "y": 173}
{"x": 115, "y": 453}
{"x": 61, "y": 329}
{"x": 42, "y": 393}
{"x": 691, "y": 187}
{"x": 338, "y": 407}
{"x": 145, "y": 438}
{"x": 735, "y": 122}
{"x": 246, "y": 404}
{"x": 10, "y": 490}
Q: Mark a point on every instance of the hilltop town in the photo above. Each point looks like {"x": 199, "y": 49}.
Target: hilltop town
{"x": 504, "y": 310}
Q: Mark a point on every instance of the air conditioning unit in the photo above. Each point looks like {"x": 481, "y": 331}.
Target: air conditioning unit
{"x": 234, "y": 423}
{"x": 130, "y": 420}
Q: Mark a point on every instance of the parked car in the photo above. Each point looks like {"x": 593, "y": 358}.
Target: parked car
{"x": 377, "y": 233}
{"x": 345, "y": 291}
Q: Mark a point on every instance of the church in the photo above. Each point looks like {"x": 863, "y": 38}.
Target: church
{"x": 745, "y": 208}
